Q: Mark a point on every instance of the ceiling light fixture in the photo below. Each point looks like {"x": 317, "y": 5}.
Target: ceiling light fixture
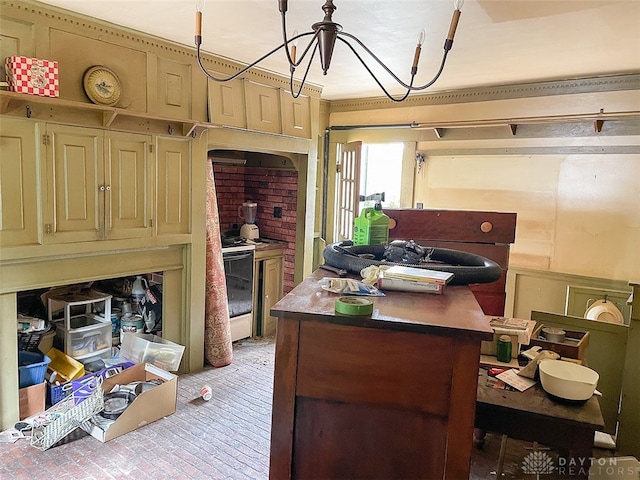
{"x": 323, "y": 38}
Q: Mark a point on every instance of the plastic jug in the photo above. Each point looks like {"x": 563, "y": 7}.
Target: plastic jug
{"x": 371, "y": 227}
{"x": 139, "y": 289}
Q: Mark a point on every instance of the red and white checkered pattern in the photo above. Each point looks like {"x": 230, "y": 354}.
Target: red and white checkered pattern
{"x": 32, "y": 75}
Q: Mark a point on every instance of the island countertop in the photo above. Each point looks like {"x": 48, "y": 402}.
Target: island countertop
{"x": 454, "y": 311}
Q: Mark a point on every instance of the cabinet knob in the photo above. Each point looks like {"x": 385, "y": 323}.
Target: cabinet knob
{"x": 102, "y": 188}
{"x": 486, "y": 227}
{"x": 108, "y": 187}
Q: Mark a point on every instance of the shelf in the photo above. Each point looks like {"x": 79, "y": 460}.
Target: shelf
{"x": 48, "y": 108}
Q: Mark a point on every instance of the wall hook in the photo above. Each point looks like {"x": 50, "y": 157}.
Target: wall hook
{"x": 419, "y": 160}
{"x": 170, "y": 129}
{"x": 28, "y": 111}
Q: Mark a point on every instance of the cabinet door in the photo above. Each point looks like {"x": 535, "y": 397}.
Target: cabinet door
{"x": 128, "y": 186}
{"x": 73, "y": 179}
{"x": 296, "y": 119}
{"x": 272, "y": 292}
{"x": 226, "y": 102}
{"x": 263, "y": 107}
{"x": 18, "y": 183}
{"x": 173, "y": 186}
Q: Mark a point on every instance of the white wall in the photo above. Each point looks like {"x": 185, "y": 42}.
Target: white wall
{"x": 577, "y": 214}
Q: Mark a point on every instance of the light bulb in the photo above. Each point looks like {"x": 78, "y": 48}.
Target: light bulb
{"x": 421, "y": 35}
{"x": 199, "y": 8}
{"x": 457, "y": 4}
{"x": 294, "y": 46}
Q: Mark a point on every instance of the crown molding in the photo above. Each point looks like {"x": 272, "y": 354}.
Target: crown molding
{"x": 499, "y": 92}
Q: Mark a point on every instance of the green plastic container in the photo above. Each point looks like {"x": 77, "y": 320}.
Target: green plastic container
{"x": 371, "y": 227}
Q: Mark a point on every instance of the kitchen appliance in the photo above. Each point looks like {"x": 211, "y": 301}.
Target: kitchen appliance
{"x": 247, "y": 212}
{"x": 238, "y": 272}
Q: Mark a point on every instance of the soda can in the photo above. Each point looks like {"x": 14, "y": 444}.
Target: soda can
{"x": 206, "y": 393}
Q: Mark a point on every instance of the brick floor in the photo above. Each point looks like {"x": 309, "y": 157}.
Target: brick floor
{"x": 225, "y": 438}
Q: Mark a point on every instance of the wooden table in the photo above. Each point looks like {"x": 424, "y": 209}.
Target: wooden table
{"x": 533, "y": 416}
{"x": 390, "y": 395}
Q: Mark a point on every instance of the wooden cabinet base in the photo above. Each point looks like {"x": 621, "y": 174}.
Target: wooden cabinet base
{"x": 353, "y": 402}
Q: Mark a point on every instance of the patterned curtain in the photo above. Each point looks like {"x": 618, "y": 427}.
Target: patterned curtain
{"x": 218, "y": 350}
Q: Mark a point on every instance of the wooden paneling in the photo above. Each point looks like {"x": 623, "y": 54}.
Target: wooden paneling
{"x": 296, "y": 119}
{"x": 453, "y": 225}
{"x": 129, "y": 173}
{"x": 341, "y": 363}
{"x": 357, "y": 451}
{"x": 283, "y": 408}
{"x": 263, "y": 107}
{"x": 76, "y": 53}
{"x": 74, "y": 177}
{"x": 19, "y": 197}
{"x": 171, "y": 96}
{"x": 226, "y": 102}
{"x": 173, "y": 185}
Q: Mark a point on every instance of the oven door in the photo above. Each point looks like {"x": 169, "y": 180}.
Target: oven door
{"x": 238, "y": 271}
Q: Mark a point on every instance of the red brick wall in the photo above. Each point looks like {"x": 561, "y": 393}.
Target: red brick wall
{"x": 269, "y": 188}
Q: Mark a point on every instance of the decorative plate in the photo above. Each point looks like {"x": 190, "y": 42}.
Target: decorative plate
{"x": 102, "y": 85}
{"x": 604, "y": 311}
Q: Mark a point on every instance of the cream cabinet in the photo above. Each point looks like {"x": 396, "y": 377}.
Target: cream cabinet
{"x": 98, "y": 185}
{"x": 173, "y": 199}
{"x": 267, "y": 289}
{"x": 19, "y": 198}
{"x": 242, "y": 103}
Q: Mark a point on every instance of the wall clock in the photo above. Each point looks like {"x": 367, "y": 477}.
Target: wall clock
{"x": 102, "y": 85}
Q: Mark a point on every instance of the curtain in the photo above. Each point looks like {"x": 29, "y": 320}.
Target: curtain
{"x": 218, "y": 350}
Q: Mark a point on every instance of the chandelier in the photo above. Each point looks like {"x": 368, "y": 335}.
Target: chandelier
{"x": 323, "y": 39}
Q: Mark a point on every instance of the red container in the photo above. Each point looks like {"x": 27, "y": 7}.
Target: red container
{"x": 33, "y": 76}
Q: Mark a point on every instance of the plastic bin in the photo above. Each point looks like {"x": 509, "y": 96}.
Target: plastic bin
{"x": 32, "y": 367}
{"x": 144, "y": 347}
{"x": 64, "y": 367}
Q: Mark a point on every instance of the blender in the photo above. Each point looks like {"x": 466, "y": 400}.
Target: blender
{"x": 247, "y": 212}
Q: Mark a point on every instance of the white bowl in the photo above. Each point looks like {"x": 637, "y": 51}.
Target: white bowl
{"x": 567, "y": 380}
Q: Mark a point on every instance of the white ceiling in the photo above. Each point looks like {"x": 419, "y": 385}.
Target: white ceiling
{"x": 498, "y": 41}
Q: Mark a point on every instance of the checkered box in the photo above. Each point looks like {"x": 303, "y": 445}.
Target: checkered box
{"x": 32, "y": 75}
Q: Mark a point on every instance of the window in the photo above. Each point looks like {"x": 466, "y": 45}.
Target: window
{"x": 381, "y": 172}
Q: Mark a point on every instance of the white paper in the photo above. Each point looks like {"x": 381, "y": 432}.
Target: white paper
{"x": 511, "y": 377}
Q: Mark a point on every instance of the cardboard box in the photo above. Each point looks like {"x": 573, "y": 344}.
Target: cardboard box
{"x": 81, "y": 387}
{"x": 148, "y": 406}
{"x": 33, "y": 76}
{"x": 32, "y": 400}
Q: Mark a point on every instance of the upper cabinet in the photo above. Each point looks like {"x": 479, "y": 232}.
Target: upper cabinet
{"x": 18, "y": 183}
{"x": 226, "y": 103}
{"x": 242, "y": 103}
{"x": 173, "y": 205}
{"x": 63, "y": 184}
{"x": 98, "y": 185}
{"x": 129, "y": 172}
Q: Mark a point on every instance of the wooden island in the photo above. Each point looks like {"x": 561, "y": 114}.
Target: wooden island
{"x": 390, "y": 395}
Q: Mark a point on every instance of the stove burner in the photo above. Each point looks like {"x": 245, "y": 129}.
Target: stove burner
{"x": 233, "y": 241}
